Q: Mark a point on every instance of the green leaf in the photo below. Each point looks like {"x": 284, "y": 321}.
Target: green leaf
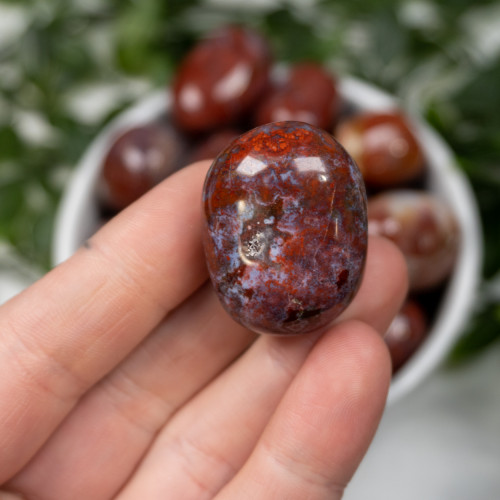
{"x": 292, "y": 38}
{"x": 10, "y": 144}
{"x": 11, "y": 202}
{"x": 483, "y": 332}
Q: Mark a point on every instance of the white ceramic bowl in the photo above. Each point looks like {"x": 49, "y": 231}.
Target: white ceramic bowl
{"x": 78, "y": 218}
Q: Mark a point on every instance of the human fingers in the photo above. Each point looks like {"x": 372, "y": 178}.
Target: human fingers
{"x": 115, "y": 423}
{"x": 210, "y": 438}
{"x": 147, "y": 381}
{"x": 384, "y": 286}
{"x": 324, "y": 423}
{"x": 65, "y": 332}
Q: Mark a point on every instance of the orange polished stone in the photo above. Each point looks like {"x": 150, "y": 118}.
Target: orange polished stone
{"x": 423, "y": 227}
{"x": 384, "y": 147}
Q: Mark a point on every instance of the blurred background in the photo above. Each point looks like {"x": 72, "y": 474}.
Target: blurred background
{"x": 68, "y": 67}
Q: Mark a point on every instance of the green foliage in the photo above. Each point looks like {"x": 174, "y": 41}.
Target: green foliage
{"x": 473, "y": 131}
{"x": 293, "y": 39}
{"x": 421, "y": 51}
{"x": 482, "y": 333}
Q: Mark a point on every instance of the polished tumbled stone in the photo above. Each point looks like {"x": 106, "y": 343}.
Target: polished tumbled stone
{"x": 308, "y": 94}
{"x": 286, "y": 228}
{"x": 221, "y": 79}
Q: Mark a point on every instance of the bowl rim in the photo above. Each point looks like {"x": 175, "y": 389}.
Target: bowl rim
{"x": 75, "y": 215}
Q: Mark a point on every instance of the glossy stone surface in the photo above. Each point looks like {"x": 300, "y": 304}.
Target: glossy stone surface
{"x": 220, "y": 79}
{"x": 308, "y": 95}
{"x": 383, "y": 146}
{"x": 138, "y": 160}
{"x": 423, "y": 227}
{"x": 406, "y": 333}
{"x": 286, "y": 228}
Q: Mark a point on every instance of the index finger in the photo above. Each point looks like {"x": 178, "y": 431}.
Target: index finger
{"x": 69, "y": 329}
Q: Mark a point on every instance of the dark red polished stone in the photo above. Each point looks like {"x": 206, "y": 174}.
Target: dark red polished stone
{"x": 211, "y": 146}
{"x": 308, "y": 95}
{"x": 286, "y": 228}
{"x": 423, "y": 227}
{"x": 221, "y": 79}
{"x": 406, "y": 333}
{"x": 383, "y": 146}
{"x": 139, "y": 159}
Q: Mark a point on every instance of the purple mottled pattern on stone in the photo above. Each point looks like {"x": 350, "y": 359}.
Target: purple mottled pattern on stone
{"x": 286, "y": 228}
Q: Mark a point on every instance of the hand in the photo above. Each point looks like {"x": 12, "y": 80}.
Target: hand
{"x": 121, "y": 376}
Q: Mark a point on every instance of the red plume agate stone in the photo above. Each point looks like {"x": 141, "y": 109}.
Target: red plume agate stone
{"x": 286, "y": 228}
